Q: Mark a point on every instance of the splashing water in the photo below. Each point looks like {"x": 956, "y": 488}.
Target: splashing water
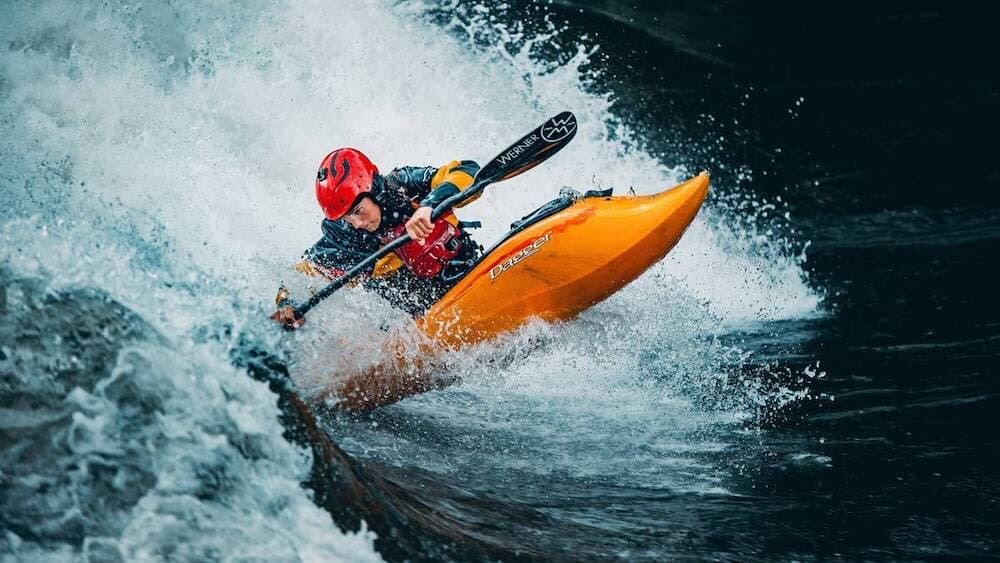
{"x": 163, "y": 154}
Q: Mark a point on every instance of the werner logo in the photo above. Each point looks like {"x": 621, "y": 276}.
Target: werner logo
{"x": 520, "y": 255}
{"x": 557, "y": 129}
{"x": 517, "y": 149}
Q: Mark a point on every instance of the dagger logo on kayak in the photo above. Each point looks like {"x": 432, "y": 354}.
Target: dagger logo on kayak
{"x": 528, "y": 250}
{"x": 517, "y": 150}
{"x": 556, "y": 129}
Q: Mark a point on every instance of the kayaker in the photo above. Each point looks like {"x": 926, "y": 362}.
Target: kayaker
{"x": 365, "y": 210}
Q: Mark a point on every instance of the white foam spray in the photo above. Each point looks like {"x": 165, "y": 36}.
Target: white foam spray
{"x": 165, "y": 153}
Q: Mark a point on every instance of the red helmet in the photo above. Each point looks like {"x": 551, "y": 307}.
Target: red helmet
{"x": 343, "y": 175}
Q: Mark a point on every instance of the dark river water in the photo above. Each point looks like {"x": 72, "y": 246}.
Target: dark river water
{"x": 811, "y": 374}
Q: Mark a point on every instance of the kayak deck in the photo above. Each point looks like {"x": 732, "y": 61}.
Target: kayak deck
{"x": 564, "y": 262}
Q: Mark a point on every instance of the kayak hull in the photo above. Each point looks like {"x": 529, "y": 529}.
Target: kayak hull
{"x": 565, "y": 263}
{"x": 551, "y": 268}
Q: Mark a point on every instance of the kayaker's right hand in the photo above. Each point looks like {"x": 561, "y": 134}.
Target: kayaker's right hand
{"x": 286, "y": 317}
{"x": 419, "y": 227}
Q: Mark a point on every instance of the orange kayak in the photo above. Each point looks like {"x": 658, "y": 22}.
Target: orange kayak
{"x": 563, "y": 258}
{"x": 557, "y": 266}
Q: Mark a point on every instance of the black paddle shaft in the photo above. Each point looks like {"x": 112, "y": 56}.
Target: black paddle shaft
{"x": 530, "y": 151}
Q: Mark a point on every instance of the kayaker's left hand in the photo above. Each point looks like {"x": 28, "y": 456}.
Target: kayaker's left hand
{"x": 419, "y": 227}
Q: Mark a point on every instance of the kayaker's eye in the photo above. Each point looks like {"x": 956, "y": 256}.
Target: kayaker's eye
{"x": 354, "y": 212}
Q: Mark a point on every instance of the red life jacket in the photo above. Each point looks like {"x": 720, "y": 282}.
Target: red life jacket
{"x": 428, "y": 259}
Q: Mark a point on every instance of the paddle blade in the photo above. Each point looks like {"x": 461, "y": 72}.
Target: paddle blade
{"x": 531, "y": 150}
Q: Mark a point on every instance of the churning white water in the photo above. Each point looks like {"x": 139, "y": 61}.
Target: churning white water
{"x": 164, "y": 154}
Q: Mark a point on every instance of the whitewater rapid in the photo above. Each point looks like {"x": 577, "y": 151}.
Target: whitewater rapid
{"x": 164, "y": 154}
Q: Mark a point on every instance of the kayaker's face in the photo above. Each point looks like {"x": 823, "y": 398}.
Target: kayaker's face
{"x": 365, "y": 215}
